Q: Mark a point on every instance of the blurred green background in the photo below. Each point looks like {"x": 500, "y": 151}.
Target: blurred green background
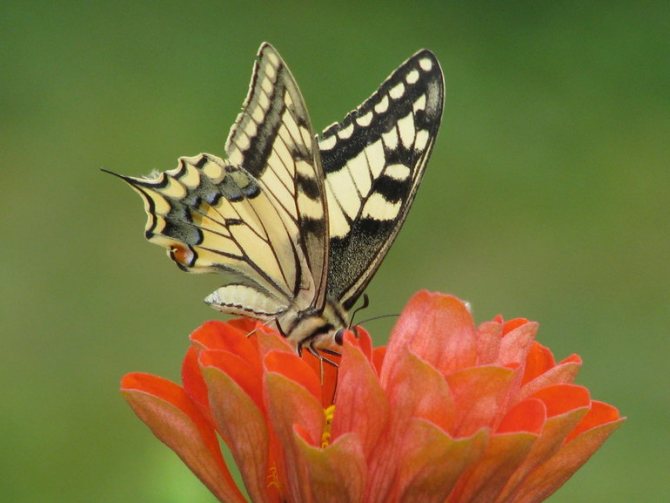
{"x": 547, "y": 197}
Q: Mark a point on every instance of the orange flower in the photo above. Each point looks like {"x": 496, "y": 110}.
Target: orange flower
{"x": 446, "y": 412}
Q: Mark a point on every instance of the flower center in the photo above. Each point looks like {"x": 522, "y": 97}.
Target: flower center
{"x": 329, "y": 413}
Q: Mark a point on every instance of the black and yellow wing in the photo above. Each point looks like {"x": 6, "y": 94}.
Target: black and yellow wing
{"x": 373, "y": 162}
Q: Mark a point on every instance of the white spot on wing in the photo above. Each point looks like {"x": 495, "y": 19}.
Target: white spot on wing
{"x": 344, "y": 191}
{"x": 346, "y": 132}
{"x": 258, "y": 114}
{"x": 426, "y": 64}
{"x": 390, "y": 139}
{"x": 397, "y": 91}
{"x": 360, "y": 172}
{"x": 263, "y": 101}
{"x": 376, "y": 158}
{"x": 398, "y": 172}
{"x": 419, "y": 104}
{"x": 310, "y": 207}
{"x": 328, "y": 143}
{"x": 365, "y": 120}
{"x": 242, "y": 140}
{"x": 272, "y": 58}
{"x": 383, "y": 105}
{"x": 421, "y": 140}
{"x": 267, "y": 86}
{"x": 251, "y": 129}
{"x": 213, "y": 171}
{"x": 412, "y": 77}
{"x": 378, "y": 208}
{"x": 406, "y": 128}
{"x": 337, "y": 223}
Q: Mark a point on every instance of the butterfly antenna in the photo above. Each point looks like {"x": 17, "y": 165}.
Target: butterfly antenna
{"x": 366, "y": 303}
{"x": 379, "y": 317}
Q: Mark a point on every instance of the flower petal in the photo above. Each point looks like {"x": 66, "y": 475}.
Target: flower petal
{"x": 566, "y": 405}
{"x": 237, "y": 369}
{"x": 296, "y": 369}
{"x": 480, "y": 395}
{"x": 436, "y": 327}
{"x": 552, "y": 474}
{"x": 193, "y": 383}
{"x": 336, "y": 473}
{"x": 432, "y": 462}
{"x": 504, "y": 453}
{"x": 225, "y": 336}
{"x": 414, "y": 389}
{"x": 489, "y": 337}
{"x": 291, "y": 405}
{"x": 239, "y": 419}
{"x": 529, "y": 416}
{"x": 516, "y": 343}
{"x": 177, "y": 422}
{"x": 563, "y": 373}
{"x": 365, "y": 408}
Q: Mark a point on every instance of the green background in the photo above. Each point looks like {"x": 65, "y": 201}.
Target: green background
{"x": 547, "y": 197}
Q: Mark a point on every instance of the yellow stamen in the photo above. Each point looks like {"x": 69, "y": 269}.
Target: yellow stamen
{"x": 273, "y": 477}
{"x": 329, "y": 413}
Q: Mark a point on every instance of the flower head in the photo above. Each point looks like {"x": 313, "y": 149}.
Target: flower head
{"x": 446, "y": 412}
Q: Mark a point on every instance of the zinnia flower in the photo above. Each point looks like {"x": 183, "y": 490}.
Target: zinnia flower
{"x": 446, "y": 412}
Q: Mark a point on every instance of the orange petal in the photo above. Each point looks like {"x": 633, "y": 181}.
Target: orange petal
{"x": 177, "y": 422}
{"x": 489, "y": 336}
{"x": 480, "y": 395}
{"x": 378, "y": 355}
{"x": 600, "y": 413}
{"x": 237, "y": 369}
{"x": 194, "y": 384}
{"x": 239, "y": 419}
{"x": 563, "y": 373}
{"x": 551, "y": 439}
{"x": 562, "y": 398}
{"x": 365, "y": 342}
{"x": 488, "y": 477}
{"x": 291, "y": 405}
{"x": 296, "y": 369}
{"x": 528, "y": 416}
{"x": 416, "y": 389}
{"x": 335, "y": 473}
{"x": 432, "y": 462}
{"x": 516, "y": 343}
{"x": 225, "y": 336}
{"x": 361, "y": 407}
{"x": 436, "y": 327}
{"x": 510, "y": 325}
{"x": 271, "y": 341}
{"x": 552, "y": 474}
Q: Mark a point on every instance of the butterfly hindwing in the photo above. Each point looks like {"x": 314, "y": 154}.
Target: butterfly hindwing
{"x": 274, "y": 141}
{"x": 373, "y": 162}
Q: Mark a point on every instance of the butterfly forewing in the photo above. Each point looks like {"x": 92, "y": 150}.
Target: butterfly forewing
{"x": 273, "y": 139}
{"x": 373, "y": 161}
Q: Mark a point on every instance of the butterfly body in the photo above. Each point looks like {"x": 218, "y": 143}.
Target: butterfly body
{"x": 298, "y": 224}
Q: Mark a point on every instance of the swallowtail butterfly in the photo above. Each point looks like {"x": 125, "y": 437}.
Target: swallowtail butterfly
{"x": 296, "y": 223}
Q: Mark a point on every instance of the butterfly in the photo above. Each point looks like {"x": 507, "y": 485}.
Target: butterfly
{"x": 297, "y": 224}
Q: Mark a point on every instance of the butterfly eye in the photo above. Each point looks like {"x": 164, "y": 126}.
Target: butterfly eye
{"x": 339, "y": 336}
